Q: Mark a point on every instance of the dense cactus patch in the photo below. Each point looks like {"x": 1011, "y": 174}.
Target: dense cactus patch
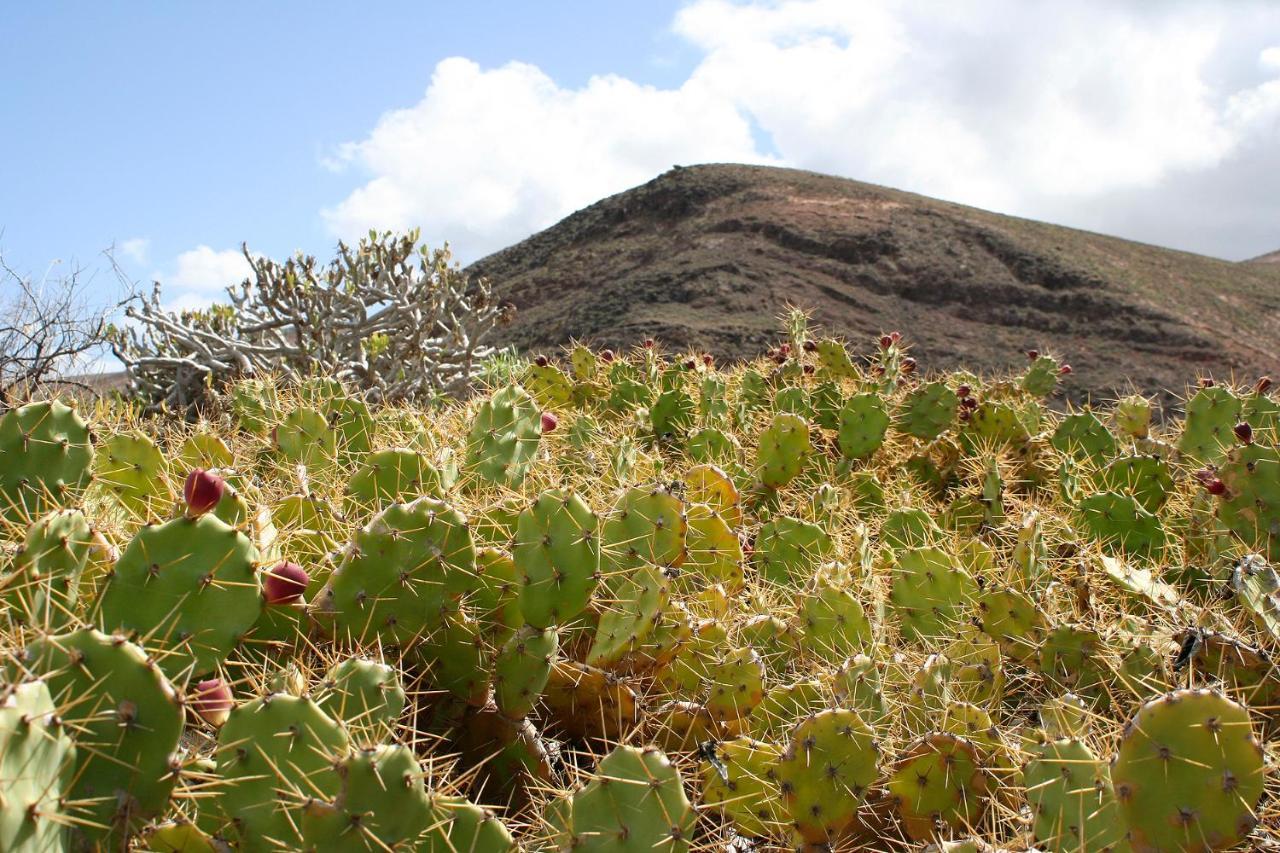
{"x": 824, "y": 601}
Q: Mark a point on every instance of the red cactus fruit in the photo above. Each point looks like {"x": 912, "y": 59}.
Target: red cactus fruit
{"x": 963, "y": 391}
{"x": 606, "y": 355}
{"x": 1065, "y": 370}
{"x": 1244, "y": 432}
{"x": 284, "y": 583}
{"x": 549, "y": 422}
{"x": 1263, "y": 385}
{"x": 213, "y": 701}
{"x": 202, "y": 491}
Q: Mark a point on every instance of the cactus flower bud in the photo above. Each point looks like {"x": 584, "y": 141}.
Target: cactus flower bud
{"x": 213, "y": 701}
{"x": 541, "y": 361}
{"x": 1263, "y": 385}
{"x": 549, "y": 422}
{"x": 285, "y": 583}
{"x": 202, "y": 491}
{"x": 1244, "y": 432}
{"x": 606, "y": 355}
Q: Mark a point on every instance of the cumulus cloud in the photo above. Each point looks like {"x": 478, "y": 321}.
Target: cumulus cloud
{"x": 489, "y": 156}
{"x": 1105, "y": 114}
{"x": 201, "y": 277}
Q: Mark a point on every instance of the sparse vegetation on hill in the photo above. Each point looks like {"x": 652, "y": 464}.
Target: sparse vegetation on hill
{"x": 704, "y": 257}
{"x": 631, "y": 601}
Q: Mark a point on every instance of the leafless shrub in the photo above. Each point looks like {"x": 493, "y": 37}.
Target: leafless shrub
{"x": 48, "y": 331}
{"x": 399, "y": 321}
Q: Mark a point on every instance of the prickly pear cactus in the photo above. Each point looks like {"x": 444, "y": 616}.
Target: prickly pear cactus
{"x": 133, "y": 472}
{"x": 126, "y": 718}
{"x": 365, "y": 695}
{"x": 408, "y": 567}
{"x": 382, "y": 804}
{"x": 783, "y": 450}
{"x": 504, "y": 437}
{"x": 276, "y": 754}
{"x": 45, "y": 460}
{"x": 37, "y": 760}
{"x": 557, "y": 553}
{"x": 1069, "y": 790}
{"x": 939, "y": 783}
{"x": 830, "y": 761}
{"x": 1189, "y": 773}
{"x": 44, "y": 586}
{"x": 863, "y": 422}
{"x": 189, "y": 587}
{"x": 635, "y": 803}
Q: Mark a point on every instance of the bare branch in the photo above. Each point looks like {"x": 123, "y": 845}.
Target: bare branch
{"x": 396, "y": 320}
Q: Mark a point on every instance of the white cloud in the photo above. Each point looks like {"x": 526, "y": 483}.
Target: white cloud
{"x": 489, "y": 156}
{"x": 136, "y": 249}
{"x": 1041, "y": 109}
{"x": 201, "y": 277}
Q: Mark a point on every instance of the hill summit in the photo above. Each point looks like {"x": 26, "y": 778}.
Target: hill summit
{"x": 707, "y": 257}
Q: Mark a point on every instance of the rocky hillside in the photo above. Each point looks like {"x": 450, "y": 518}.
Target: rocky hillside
{"x": 707, "y": 257}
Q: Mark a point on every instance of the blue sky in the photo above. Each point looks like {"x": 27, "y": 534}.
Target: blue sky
{"x": 188, "y": 124}
{"x": 178, "y": 130}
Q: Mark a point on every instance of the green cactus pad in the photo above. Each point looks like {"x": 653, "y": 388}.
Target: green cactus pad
{"x": 939, "y": 781}
{"x": 1070, "y": 793}
{"x": 1207, "y": 430}
{"x": 188, "y": 587}
{"x": 364, "y": 695}
{"x": 504, "y": 436}
{"x": 835, "y": 625}
{"x": 783, "y": 450}
{"x": 1083, "y": 436}
{"x": 931, "y": 593}
{"x": 736, "y": 682}
{"x": 37, "y": 760}
{"x": 382, "y": 804}
{"x": 130, "y": 468}
{"x": 398, "y": 475}
{"x": 1250, "y": 509}
{"x": 788, "y": 549}
{"x": 863, "y": 419}
{"x": 557, "y": 552}
{"x": 522, "y": 669}
{"x": 126, "y": 718}
{"x": 635, "y": 804}
{"x": 1189, "y": 773}
{"x": 742, "y": 785}
{"x": 824, "y": 772}
{"x": 43, "y": 588}
{"x": 304, "y": 438}
{"x": 928, "y": 411}
{"x": 1148, "y": 479}
{"x": 406, "y": 569}
{"x": 1122, "y": 525}
{"x": 275, "y": 754}
{"x": 45, "y": 460}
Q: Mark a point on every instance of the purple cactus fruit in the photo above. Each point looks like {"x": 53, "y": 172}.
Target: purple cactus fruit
{"x": 212, "y": 701}
{"x": 202, "y": 491}
{"x": 284, "y": 583}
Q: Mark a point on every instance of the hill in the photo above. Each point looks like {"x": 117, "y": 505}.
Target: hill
{"x": 1269, "y": 258}
{"x": 707, "y": 257}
